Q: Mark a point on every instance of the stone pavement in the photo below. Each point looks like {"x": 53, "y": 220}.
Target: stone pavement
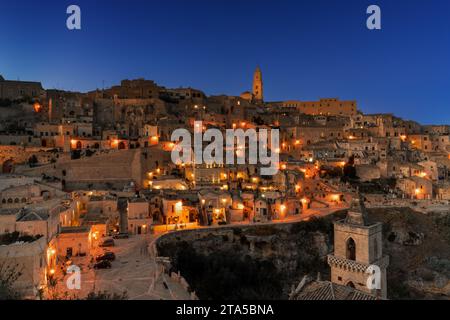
{"x": 134, "y": 271}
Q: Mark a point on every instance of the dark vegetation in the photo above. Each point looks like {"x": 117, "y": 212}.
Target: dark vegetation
{"x": 33, "y": 161}
{"x": 227, "y": 275}
{"x": 9, "y": 273}
{"x": 5, "y": 103}
{"x": 12, "y": 237}
{"x": 377, "y": 186}
{"x": 231, "y": 272}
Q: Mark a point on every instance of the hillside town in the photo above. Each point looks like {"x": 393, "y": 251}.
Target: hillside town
{"x": 87, "y": 180}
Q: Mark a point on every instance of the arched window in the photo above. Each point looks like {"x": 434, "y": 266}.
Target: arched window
{"x": 350, "y": 284}
{"x": 3, "y": 200}
{"x": 351, "y": 249}
{"x": 16, "y": 200}
{"x": 24, "y": 200}
{"x": 10, "y": 200}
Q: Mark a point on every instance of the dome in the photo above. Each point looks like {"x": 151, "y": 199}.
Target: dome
{"x": 246, "y": 95}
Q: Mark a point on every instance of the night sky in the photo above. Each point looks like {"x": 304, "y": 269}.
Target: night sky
{"x": 306, "y": 49}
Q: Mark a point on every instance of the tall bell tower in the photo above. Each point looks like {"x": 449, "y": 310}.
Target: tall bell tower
{"x": 358, "y": 252}
{"x": 258, "y": 85}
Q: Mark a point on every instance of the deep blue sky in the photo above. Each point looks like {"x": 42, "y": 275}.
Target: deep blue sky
{"x": 306, "y": 49}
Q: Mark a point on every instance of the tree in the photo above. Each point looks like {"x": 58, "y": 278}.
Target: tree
{"x": 33, "y": 161}
{"x": 9, "y": 273}
{"x": 349, "y": 169}
{"x": 76, "y": 154}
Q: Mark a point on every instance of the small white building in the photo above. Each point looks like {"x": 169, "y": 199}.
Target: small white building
{"x": 139, "y": 217}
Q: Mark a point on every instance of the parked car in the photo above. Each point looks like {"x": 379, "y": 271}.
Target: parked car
{"x": 121, "y": 236}
{"x": 103, "y": 264}
{"x": 109, "y": 256}
{"x": 107, "y": 243}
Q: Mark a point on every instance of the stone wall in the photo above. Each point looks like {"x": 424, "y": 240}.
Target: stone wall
{"x": 112, "y": 170}
{"x": 20, "y": 155}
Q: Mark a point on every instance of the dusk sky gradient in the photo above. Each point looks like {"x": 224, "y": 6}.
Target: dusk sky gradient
{"x": 306, "y": 49}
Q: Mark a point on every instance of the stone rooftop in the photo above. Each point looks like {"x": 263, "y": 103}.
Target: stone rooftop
{"x": 326, "y": 290}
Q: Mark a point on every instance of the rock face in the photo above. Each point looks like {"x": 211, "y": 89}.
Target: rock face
{"x": 419, "y": 248}
{"x": 265, "y": 261}
{"x": 261, "y": 261}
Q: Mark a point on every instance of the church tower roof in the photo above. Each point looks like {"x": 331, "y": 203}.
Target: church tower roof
{"x": 1, "y": 78}
{"x": 357, "y": 214}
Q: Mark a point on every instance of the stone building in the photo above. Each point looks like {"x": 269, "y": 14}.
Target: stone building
{"x": 31, "y": 259}
{"x": 257, "y": 94}
{"x": 131, "y": 89}
{"x": 139, "y": 217}
{"x": 258, "y": 90}
{"x": 13, "y": 90}
{"x": 357, "y": 248}
{"x": 74, "y": 241}
{"x": 415, "y": 188}
{"x": 328, "y": 106}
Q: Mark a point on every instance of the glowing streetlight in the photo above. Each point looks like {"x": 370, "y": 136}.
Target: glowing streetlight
{"x": 37, "y": 107}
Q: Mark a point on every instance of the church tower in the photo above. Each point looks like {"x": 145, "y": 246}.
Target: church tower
{"x": 358, "y": 252}
{"x": 258, "y": 85}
